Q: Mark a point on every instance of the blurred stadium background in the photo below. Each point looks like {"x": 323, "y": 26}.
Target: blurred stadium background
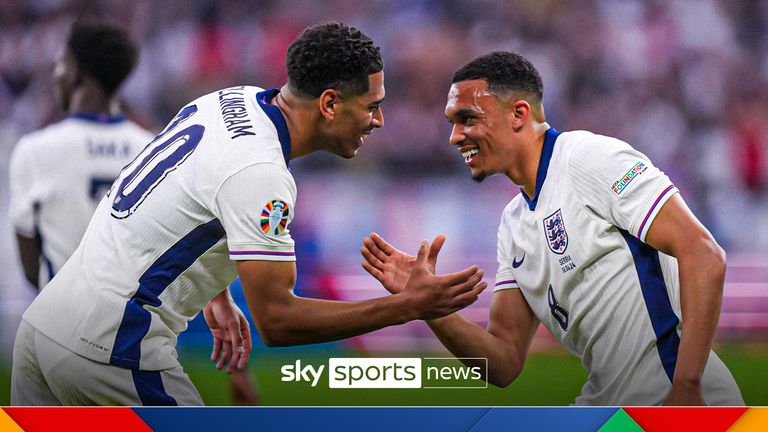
{"x": 682, "y": 80}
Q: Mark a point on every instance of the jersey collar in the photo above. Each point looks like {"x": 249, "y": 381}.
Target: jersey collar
{"x": 264, "y": 98}
{"x": 99, "y": 117}
{"x": 550, "y": 136}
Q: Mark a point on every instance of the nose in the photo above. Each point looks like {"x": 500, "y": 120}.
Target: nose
{"x": 378, "y": 118}
{"x": 457, "y": 135}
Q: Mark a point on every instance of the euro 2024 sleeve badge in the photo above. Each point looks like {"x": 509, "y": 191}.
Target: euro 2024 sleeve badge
{"x": 274, "y": 217}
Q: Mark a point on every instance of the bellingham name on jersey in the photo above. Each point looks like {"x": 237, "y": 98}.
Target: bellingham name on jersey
{"x": 213, "y": 187}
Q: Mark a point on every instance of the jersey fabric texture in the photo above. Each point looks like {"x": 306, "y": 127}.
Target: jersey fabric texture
{"x": 577, "y": 253}
{"x": 212, "y": 188}
{"x": 59, "y": 174}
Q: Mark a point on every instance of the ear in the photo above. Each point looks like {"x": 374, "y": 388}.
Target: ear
{"x": 519, "y": 112}
{"x": 73, "y": 75}
{"x": 328, "y": 103}
{"x": 77, "y": 76}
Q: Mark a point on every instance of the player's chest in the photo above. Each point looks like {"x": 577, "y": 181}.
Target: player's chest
{"x": 553, "y": 248}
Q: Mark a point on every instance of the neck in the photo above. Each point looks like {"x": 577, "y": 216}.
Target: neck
{"x": 533, "y": 157}
{"x": 298, "y": 114}
{"x": 92, "y": 100}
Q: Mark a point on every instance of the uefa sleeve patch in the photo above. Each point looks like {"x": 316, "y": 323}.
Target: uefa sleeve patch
{"x": 274, "y": 217}
{"x": 621, "y": 184}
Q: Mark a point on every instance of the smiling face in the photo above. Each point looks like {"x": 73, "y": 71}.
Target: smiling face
{"x": 355, "y": 117}
{"x": 482, "y": 131}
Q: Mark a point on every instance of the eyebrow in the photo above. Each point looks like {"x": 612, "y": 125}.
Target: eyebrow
{"x": 376, "y": 102}
{"x": 464, "y": 112}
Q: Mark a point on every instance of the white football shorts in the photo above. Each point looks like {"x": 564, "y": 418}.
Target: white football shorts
{"x": 46, "y": 373}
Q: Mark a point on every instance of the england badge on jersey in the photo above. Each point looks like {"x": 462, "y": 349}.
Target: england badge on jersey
{"x": 554, "y": 230}
{"x": 274, "y": 217}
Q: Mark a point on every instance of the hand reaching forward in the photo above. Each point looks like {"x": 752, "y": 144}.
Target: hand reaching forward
{"x": 430, "y": 296}
{"x": 231, "y": 333}
{"x": 392, "y": 267}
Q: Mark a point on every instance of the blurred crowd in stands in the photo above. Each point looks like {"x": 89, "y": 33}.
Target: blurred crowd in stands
{"x": 684, "y": 81}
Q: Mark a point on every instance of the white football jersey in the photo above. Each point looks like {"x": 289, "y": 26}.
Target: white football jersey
{"x": 213, "y": 187}
{"x": 59, "y": 174}
{"x": 577, "y": 253}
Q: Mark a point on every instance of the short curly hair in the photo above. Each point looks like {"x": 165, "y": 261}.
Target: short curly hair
{"x": 505, "y": 73}
{"x": 104, "y": 52}
{"x": 332, "y": 56}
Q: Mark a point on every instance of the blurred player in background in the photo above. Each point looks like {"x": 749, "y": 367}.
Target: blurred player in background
{"x": 599, "y": 247}
{"x": 209, "y": 199}
{"x": 59, "y": 174}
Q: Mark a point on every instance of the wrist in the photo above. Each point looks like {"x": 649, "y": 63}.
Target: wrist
{"x": 402, "y": 304}
{"x": 686, "y": 382}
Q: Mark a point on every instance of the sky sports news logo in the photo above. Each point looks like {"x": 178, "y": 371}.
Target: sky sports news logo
{"x": 394, "y": 373}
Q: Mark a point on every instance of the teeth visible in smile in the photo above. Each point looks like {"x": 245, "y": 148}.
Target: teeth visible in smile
{"x": 469, "y": 153}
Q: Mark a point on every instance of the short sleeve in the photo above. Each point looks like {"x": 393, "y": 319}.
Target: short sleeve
{"x": 255, "y": 206}
{"x": 505, "y": 279}
{"x": 22, "y": 188}
{"x": 619, "y": 184}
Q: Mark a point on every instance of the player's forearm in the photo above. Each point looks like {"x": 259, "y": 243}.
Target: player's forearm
{"x": 468, "y": 340}
{"x": 702, "y": 276}
{"x": 29, "y": 253}
{"x": 303, "y": 320}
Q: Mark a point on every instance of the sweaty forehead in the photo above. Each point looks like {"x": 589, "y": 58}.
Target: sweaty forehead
{"x": 463, "y": 95}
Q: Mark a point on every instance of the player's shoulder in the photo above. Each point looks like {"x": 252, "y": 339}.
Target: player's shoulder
{"x": 229, "y": 95}
{"x": 584, "y": 152}
{"x": 43, "y": 139}
{"x": 581, "y": 142}
{"x": 44, "y": 134}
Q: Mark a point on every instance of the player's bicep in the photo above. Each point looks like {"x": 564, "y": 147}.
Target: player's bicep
{"x": 255, "y": 206}
{"x": 676, "y": 230}
{"x": 268, "y": 288}
{"x": 512, "y": 320}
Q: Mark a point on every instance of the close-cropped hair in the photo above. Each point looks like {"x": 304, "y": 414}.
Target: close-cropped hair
{"x": 506, "y": 73}
{"x": 332, "y": 56}
{"x": 104, "y": 52}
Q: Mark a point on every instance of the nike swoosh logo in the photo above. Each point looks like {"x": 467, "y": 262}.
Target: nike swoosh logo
{"x": 516, "y": 263}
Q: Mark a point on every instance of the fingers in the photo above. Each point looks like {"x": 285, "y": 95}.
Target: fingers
{"x": 459, "y": 277}
{"x": 226, "y": 353}
{"x": 373, "y": 249}
{"x": 382, "y": 244}
{"x": 236, "y": 336}
{"x": 371, "y": 258}
{"x": 376, "y": 273}
{"x": 216, "y": 348}
{"x": 469, "y": 297}
{"x": 467, "y": 285}
{"x": 434, "y": 249}
{"x": 245, "y": 329}
{"x": 421, "y": 257}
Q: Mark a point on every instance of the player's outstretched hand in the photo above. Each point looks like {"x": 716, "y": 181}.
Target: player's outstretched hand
{"x": 391, "y": 266}
{"x": 231, "y": 333}
{"x": 433, "y": 296}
